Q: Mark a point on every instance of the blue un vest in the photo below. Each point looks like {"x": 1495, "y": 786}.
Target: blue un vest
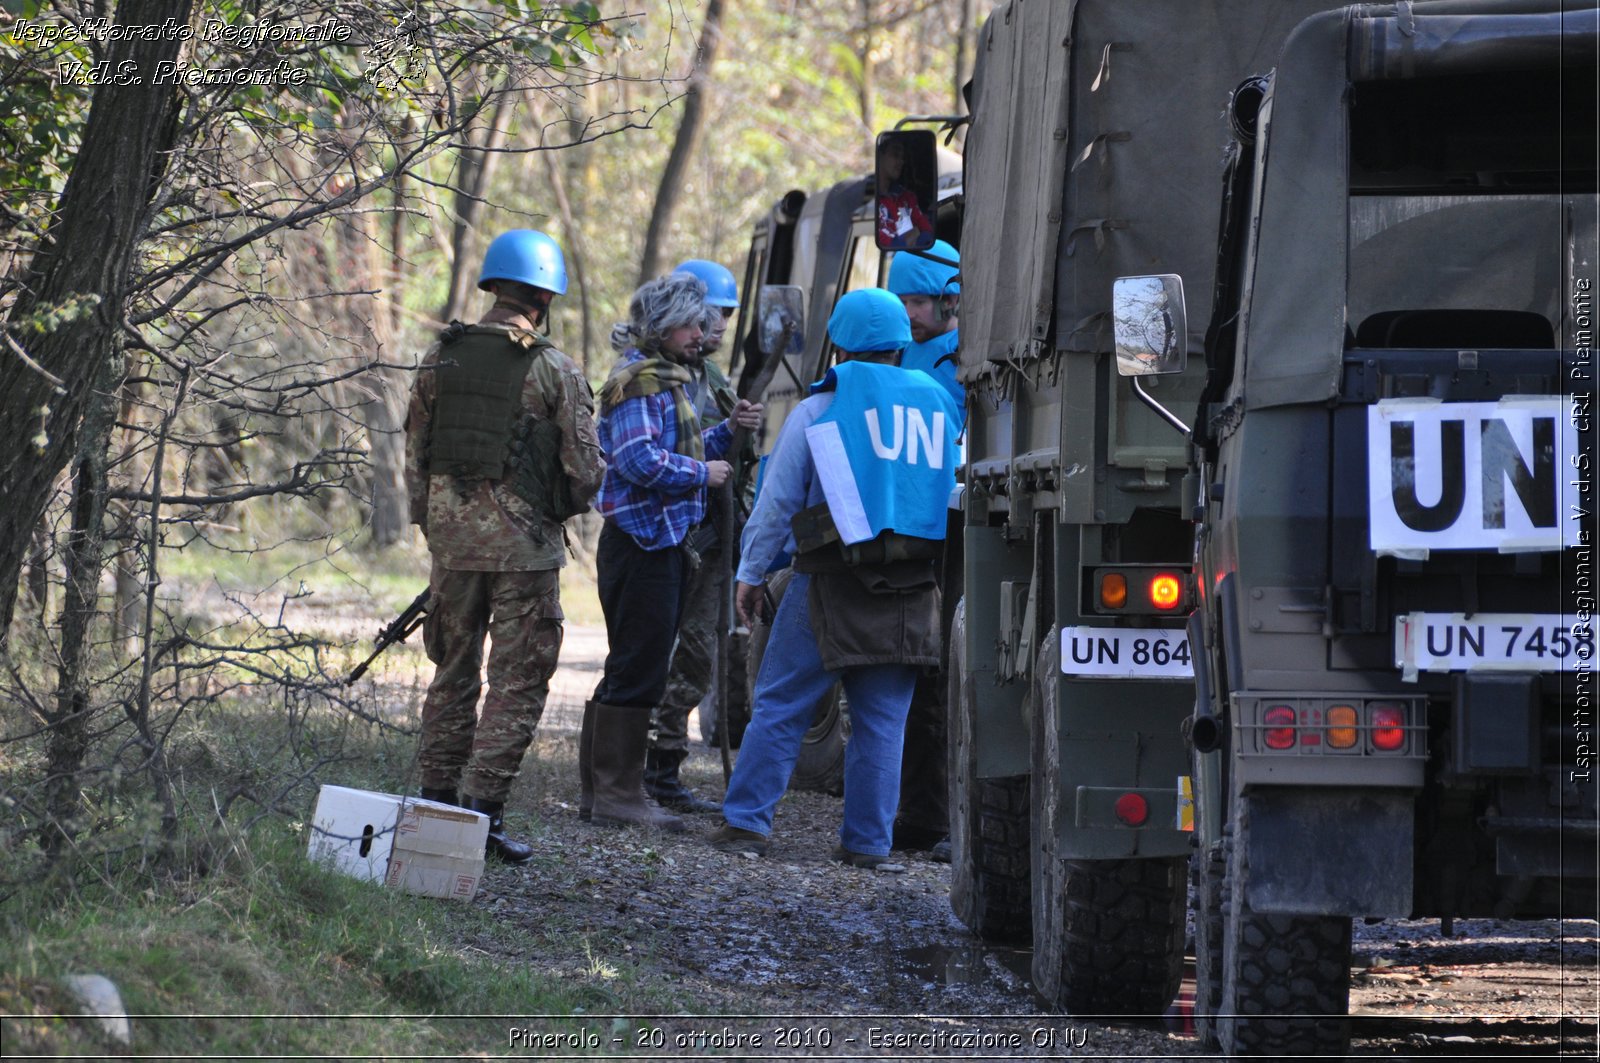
{"x": 926, "y": 356}
{"x": 885, "y": 451}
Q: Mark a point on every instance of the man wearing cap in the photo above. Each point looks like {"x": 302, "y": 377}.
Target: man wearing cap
{"x": 713, "y": 399}
{"x": 500, "y": 449}
{"x": 931, "y": 292}
{"x": 855, "y": 490}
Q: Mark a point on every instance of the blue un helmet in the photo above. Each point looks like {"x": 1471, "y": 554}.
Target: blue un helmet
{"x": 869, "y": 319}
{"x": 721, "y": 290}
{"x": 911, "y": 275}
{"x": 528, "y": 256}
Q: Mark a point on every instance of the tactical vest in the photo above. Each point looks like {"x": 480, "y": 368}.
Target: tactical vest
{"x": 480, "y": 430}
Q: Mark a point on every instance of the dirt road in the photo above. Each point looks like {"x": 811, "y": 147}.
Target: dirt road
{"x": 815, "y": 959}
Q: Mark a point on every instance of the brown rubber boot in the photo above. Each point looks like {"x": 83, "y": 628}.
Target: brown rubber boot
{"x": 586, "y": 763}
{"x": 621, "y": 734}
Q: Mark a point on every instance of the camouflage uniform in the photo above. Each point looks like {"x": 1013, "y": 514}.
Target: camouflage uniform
{"x": 496, "y": 563}
{"x": 695, "y": 653}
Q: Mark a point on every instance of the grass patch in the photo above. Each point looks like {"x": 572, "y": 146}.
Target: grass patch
{"x": 370, "y": 971}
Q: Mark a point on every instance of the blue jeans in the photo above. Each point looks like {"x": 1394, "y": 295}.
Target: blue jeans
{"x": 791, "y": 683}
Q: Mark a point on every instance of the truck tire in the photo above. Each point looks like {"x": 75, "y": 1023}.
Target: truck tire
{"x": 1208, "y": 868}
{"x": 1285, "y": 978}
{"x": 820, "y": 767}
{"x": 989, "y": 875}
{"x": 1107, "y": 934}
{"x": 821, "y": 763}
{"x": 1122, "y": 930}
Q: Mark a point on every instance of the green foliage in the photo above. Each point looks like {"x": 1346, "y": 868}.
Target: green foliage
{"x": 265, "y": 934}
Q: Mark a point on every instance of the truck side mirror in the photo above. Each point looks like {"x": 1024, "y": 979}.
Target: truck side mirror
{"x": 780, "y": 320}
{"x": 1150, "y": 325}
{"x": 906, "y": 189}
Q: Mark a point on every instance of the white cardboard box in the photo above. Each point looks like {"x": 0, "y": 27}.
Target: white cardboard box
{"x": 418, "y": 846}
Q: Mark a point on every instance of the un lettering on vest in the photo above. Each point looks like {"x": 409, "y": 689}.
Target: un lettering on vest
{"x": 911, "y": 431}
{"x": 908, "y": 439}
{"x": 1472, "y": 475}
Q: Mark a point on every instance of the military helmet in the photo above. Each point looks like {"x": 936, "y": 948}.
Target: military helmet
{"x": 912, "y": 275}
{"x": 528, "y": 256}
{"x": 869, "y": 319}
{"x": 721, "y": 289}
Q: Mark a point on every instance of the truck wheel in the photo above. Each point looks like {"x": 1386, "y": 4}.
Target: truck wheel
{"x": 1208, "y": 869}
{"x": 1122, "y": 931}
{"x": 1107, "y": 934}
{"x": 1285, "y": 978}
{"x": 989, "y": 875}
{"x": 821, "y": 763}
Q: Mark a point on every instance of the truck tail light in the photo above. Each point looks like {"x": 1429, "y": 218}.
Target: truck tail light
{"x": 1139, "y": 590}
{"x": 1113, "y": 590}
{"x": 1132, "y": 809}
{"x": 1342, "y": 721}
{"x": 1388, "y": 727}
{"x": 1279, "y": 720}
{"x": 1166, "y": 591}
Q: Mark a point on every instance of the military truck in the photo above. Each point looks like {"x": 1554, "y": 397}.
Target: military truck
{"x": 1393, "y": 640}
{"x": 1092, "y": 154}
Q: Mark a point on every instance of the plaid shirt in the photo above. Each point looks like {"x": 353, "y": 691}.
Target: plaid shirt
{"x": 653, "y": 493}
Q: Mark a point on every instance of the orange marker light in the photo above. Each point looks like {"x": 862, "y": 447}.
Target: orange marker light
{"x": 1113, "y": 590}
{"x": 1166, "y": 591}
{"x": 1342, "y": 720}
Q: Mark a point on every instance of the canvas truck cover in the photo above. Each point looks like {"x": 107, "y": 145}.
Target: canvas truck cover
{"x": 1295, "y": 339}
{"x": 1096, "y": 152}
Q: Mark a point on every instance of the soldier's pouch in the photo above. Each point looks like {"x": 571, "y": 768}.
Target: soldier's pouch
{"x": 821, "y": 549}
{"x": 531, "y": 596}
{"x": 433, "y": 638}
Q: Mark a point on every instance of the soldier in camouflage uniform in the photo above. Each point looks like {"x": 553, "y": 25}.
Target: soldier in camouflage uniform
{"x": 501, "y": 448}
{"x": 695, "y": 653}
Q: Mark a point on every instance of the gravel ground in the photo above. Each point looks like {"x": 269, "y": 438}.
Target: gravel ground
{"x": 792, "y": 955}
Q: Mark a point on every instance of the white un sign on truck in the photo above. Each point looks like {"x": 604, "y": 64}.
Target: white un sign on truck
{"x": 1472, "y": 475}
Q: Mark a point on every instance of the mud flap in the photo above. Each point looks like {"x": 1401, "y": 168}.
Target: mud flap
{"x": 1331, "y": 851}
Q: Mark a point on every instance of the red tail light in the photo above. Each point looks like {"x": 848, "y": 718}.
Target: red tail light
{"x": 1280, "y": 727}
{"x": 1166, "y": 591}
{"x": 1388, "y": 727}
{"x": 1132, "y": 809}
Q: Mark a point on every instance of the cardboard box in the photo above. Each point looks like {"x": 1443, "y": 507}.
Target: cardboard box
{"x": 415, "y": 845}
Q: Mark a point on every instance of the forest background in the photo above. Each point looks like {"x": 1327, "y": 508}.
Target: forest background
{"x": 214, "y": 294}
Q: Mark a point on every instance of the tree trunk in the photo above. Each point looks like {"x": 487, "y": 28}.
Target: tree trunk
{"x": 476, "y": 167}
{"x": 965, "y": 45}
{"x": 88, "y": 251}
{"x": 866, "y": 88}
{"x": 383, "y": 402}
{"x": 572, "y": 241}
{"x": 70, "y": 722}
{"x": 684, "y": 145}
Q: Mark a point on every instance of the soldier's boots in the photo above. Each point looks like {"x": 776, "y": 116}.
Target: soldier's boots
{"x": 502, "y": 848}
{"x": 616, "y": 758}
{"x": 445, "y": 795}
{"x": 586, "y": 763}
{"x": 662, "y": 783}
